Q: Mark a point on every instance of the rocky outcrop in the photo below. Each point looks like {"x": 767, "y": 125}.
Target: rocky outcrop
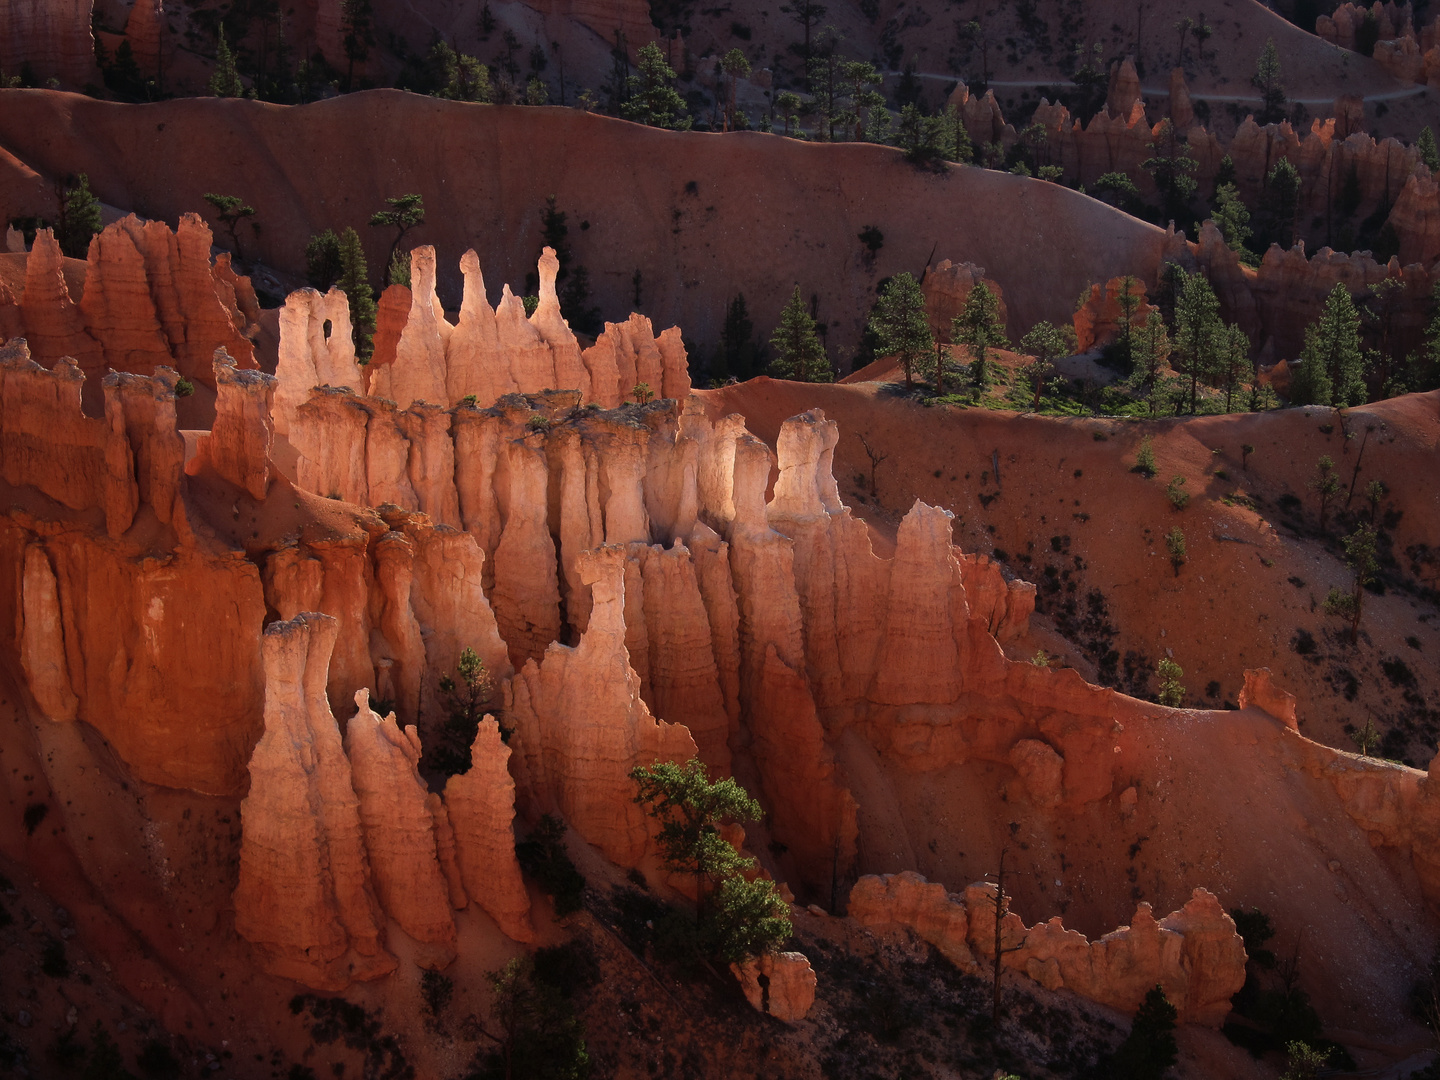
{"x": 145, "y": 31}
{"x": 1260, "y": 691}
{"x": 493, "y": 352}
{"x": 1098, "y": 320}
{"x": 237, "y": 448}
{"x": 316, "y": 349}
{"x": 480, "y": 805}
{"x": 1194, "y": 954}
{"x": 581, "y": 724}
{"x": 304, "y": 897}
{"x": 947, "y": 286}
{"x": 52, "y": 36}
{"x": 1416, "y": 218}
{"x": 399, "y": 830}
{"x": 781, "y": 985}
{"x": 152, "y": 298}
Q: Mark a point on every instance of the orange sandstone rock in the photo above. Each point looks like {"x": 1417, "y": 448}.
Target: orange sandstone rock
{"x": 781, "y": 985}
{"x": 42, "y": 639}
{"x": 481, "y": 808}
{"x": 399, "y": 830}
{"x": 304, "y": 897}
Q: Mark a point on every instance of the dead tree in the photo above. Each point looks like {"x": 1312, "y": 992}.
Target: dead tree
{"x": 1001, "y": 910}
{"x": 876, "y": 457}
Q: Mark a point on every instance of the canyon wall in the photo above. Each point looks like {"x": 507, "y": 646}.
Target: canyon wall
{"x": 51, "y": 37}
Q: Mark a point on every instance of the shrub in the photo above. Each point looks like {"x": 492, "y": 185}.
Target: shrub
{"x": 1176, "y": 493}
{"x": 543, "y": 856}
{"x": 1145, "y": 459}
{"x": 184, "y": 388}
{"x": 1172, "y": 690}
{"x": 1175, "y": 544}
{"x": 436, "y": 990}
{"x": 32, "y": 817}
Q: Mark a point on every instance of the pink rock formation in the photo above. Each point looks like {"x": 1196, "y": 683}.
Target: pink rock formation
{"x": 1260, "y": 691}
{"x": 481, "y": 808}
{"x": 54, "y": 324}
{"x": 1124, "y": 93}
{"x": 238, "y": 446}
{"x": 399, "y": 830}
{"x": 52, "y": 36}
{"x": 304, "y": 897}
{"x": 1182, "y": 112}
{"x": 117, "y": 306}
{"x": 907, "y": 899}
{"x": 42, "y": 639}
{"x": 1097, "y": 321}
{"x": 781, "y": 985}
{"x": 420, "y": 356}
{"x": 1416, "y": 218}
{"x": 947, "y": 286}
{"x": 581, "y": 724}
{"x": 145, "y": 30}
{"x": 1194, "y": 953}
{"x": 316, "y": 349}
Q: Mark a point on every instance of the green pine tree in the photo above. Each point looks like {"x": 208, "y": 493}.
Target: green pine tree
{"x": 79, "y": 218}
{"x": 1200, "y": 336}
{"x": 1332, "y": 371}
{"x": 225, "y": 82}
{"x": 1267, "y": 80}
{"x": 798, "y": 352}
{"x": 322, "y": 260}
{"x": 653, "y": 99}
{"x": 1282, "y": 202}
{"x": 978, "y": 326}
{"x": 1429, "y": 151}
{"x": 738, "y": 356}
{"x": 355, "y": 282}
{"x": 406, "y": 212}
{"x": 1232, "y": 217}
{"x": 1150, "y": 1050}
{"x": 1172, "y": 168}
{"x": 900, "y": 325}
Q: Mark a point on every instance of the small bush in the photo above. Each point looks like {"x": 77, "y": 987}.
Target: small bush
{"x": 1176, "y": 493}
{"x": 436, "y": 990}
{"x": 1175, "y": 544}
{"x": 1172, "y": 690}
{"x": 33, "y": 816}
{"x": 537, "y": 422}
{"x": 1145, "y": 459}
{"x": 1303, "y": 642}
{"x": 184, "y": 388}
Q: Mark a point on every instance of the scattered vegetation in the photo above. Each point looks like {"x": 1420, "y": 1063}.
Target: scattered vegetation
{"x": 1172, "y": 690}
{"x": 543, "y": 856}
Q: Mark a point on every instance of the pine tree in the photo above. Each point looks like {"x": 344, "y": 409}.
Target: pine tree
{"x": 355, "y": 283}
{"x": 978, "y": 326}
{"x": 798, "y": 352}
{"x": 1360, "y": 557}
{"x": 406, "y": 212}
{"x": 1150, "y": 1049}
{"x": 357, "y": 27}
{"x": 736, "y": 67}
{"x": 79, "y": 218}
{"x": 738, "y": 354}
{"x": 231, "y": 210}
{"x": 225, "y": 82}
{"x": 1267, "y": 80}
{"x": 1045, "y": 342}
{"x": 1232, "y": 217}
{"x": 1332, "y": 371}
{"x": 322, "y": 260}
{"x": 1172, "y": 168}
{"x": 1200, "y": 336}
{"x": 1429, "y": 151}
{"x": 1150, "y": 349}
{"x": 1282, "y": 202}
{"x": 653, "y": 99}
{"x": 1234, "y": 362}
{"x": 900, "y": 326}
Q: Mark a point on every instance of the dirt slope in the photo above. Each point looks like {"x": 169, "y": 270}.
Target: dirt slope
{"x": 701, "y": 217}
